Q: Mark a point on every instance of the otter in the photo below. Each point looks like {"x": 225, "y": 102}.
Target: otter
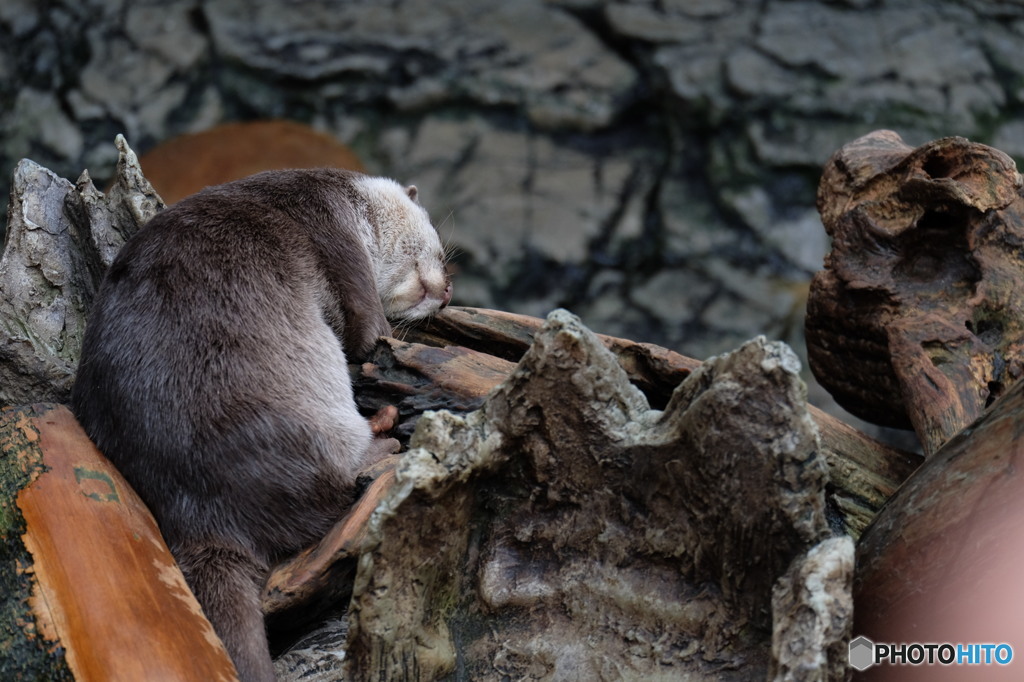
{"x": 214, "y": 369}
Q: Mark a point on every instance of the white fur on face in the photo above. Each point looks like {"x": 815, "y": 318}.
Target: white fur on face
{"x": 411, "y": 277}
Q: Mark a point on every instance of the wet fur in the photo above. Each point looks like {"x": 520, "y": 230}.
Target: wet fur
{"x": 214, "y": 375}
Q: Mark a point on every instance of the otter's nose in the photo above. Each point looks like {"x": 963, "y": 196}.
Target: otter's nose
{"x": 447, "y": 295}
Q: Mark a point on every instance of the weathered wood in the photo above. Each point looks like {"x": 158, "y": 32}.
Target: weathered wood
{"x": 863, "y": 472}
{"x": 815, "y": 592}
{"x": 415, "y": 378}
{"x": 654, "y": 370}
{"x": 566, "y": 529}
{"x": 60, "y": 239}
{"x": 942, "y": 560}
{"x": 916, "y": 320}
{"x": 495, "y": 332}
{"x": 320, "y": 577}
{"x": 98, "y": 579}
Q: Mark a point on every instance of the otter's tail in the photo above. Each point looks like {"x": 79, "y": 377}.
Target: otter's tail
{"x": 227, "y": 581}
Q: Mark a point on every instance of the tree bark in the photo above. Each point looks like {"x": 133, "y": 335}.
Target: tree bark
{"x": 60, "y": 240}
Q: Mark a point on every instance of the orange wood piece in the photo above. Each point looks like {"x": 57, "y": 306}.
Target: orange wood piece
{"x": 311, "y": 573}
{"x": 106, "y": 585}
{"x": 185, "y": 164}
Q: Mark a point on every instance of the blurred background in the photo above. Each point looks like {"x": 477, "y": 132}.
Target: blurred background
{"x": 649, "y": 164}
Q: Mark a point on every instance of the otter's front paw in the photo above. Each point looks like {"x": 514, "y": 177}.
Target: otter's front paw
{"x": 384, "y": 420}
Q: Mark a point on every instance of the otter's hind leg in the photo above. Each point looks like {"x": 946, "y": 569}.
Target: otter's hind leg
{"x": 228, "y": 581}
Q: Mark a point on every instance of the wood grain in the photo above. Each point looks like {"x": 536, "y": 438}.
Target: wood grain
{"x": 916, "y": 321}
{"x": 105, "y": 584}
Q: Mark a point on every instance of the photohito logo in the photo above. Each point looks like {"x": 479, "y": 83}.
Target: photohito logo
{"x": 864, "y": 653}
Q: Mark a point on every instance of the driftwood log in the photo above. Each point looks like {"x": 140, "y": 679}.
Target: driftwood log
{"x": 433, "y": 372}
{"x": 917, "y": 319}
{"x": 90, "y": 590}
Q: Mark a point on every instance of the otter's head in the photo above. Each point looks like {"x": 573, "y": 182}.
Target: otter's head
{"x": 411, "y": 275}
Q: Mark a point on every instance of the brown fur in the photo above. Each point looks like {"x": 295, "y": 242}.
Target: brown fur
{"x": 214, "y": 372}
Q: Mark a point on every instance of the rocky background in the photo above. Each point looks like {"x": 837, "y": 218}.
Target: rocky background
{"x": 650, "y": 165}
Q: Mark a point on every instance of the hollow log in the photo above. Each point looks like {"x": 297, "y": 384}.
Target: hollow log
{"x": 566, "y": 528}
{"x": 916, "y": 320}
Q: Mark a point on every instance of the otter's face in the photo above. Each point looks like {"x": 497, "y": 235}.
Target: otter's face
{"x": 411, "y": 275}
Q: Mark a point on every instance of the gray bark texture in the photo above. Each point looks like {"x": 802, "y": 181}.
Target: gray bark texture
{"x": 60, "y": 239}
{"x": 565, "y": 530}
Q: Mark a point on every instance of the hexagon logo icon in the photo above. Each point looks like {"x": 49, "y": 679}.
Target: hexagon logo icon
{"x": 862, "y": 653}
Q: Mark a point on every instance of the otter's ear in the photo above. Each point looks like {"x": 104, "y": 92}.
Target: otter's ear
{"x": 412, "y": 192}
